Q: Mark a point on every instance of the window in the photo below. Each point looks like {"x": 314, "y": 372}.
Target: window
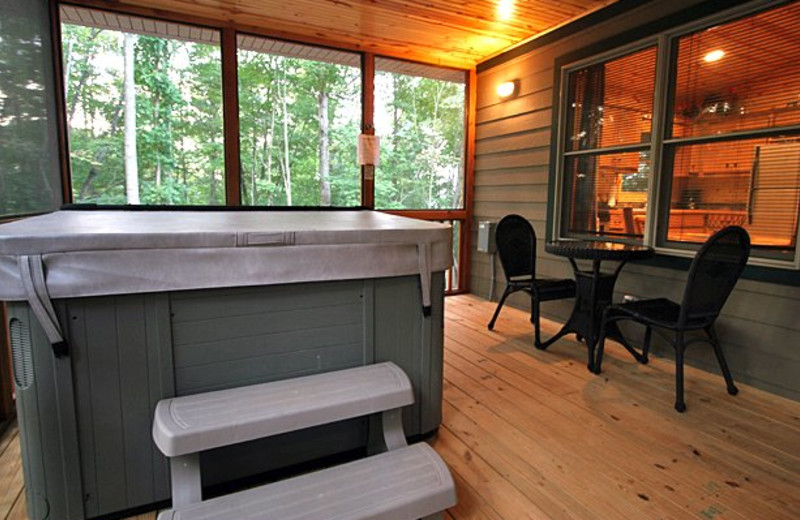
{"x": 29, "y": 173}
{"x": 299, "y": 118}
{"x": 607, "y": 164}
{"x": 420, "y": 118}
{"x": 726, "y": 151}
{"x": 144, "y": 110}
{"x": 731, "y": 145}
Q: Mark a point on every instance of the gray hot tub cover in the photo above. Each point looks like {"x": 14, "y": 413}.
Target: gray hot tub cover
{"x": 70, "y": 254}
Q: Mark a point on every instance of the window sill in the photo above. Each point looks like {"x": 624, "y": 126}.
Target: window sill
{"x": 758, "y": 269}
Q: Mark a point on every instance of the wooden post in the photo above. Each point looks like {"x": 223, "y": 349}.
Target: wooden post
{"x": 367, "y": 125}
{"x": 61, "y": 110}
{"x": 465, "y": 252}
{"x": 230, "y": 117}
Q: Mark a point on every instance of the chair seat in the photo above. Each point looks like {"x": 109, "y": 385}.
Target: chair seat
{"x": 554, "y": 289}
{"x": 658, "y": 311}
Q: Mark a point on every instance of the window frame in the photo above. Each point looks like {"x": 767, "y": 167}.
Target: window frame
{"x": 562, "y": 154}
{"x": 658, "y": 193}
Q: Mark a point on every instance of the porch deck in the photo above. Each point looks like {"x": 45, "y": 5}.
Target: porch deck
{"x": 530, "y": 434}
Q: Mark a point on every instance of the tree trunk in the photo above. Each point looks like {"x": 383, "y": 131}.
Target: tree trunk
{"x": 285, "y": 163}
{"x": 156, "y": 103}
{"x": 268, "y": 149}
{"x": 212, "y": 191}
{"x": 99, "y": 157}
{"x": 435, "y": 143}
{"x": 131, "y": 165}
{"x": 324, "y": 147}
{"x": 84, "y": 76}
{"x": 254, "y": 166}
{"x": 68, "y": 67}
{"x": 395, "y": 112}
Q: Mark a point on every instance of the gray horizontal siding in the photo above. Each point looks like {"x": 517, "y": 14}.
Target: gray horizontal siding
{"x": 539, "y": 119}
{"x": 759, "y": 326}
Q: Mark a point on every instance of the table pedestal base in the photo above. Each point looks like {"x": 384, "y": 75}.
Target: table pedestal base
{"x": 594, "y": 292}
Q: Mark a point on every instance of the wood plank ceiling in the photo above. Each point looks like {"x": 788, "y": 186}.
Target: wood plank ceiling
{"x": 455, "y": 33}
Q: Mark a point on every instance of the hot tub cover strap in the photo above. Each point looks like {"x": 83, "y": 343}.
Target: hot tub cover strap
{"x": 31, "y": 268}
{"x": 424, "y": 257}
{"x": 33, "y": 281}
{"x": 99, "y": 253}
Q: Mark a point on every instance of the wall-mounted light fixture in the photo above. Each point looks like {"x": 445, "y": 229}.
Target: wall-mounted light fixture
{"x": 508, "y": 89}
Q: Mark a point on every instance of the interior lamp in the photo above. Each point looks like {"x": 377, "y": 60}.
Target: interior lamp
{"x": 714, "y": 55}
{"x": 507, "y": 89}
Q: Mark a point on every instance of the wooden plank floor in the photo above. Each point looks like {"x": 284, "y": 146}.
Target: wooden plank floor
{"x": 530, "y": 434}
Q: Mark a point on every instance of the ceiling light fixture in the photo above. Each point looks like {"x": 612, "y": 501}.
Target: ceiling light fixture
{"x": 507, "y": 89}
{"x": 714, "y": 55}
{"x": 505, "y": 8}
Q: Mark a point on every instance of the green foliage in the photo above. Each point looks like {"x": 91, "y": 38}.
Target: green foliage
{"x": 264, "y": 82}
{"x": 422, "y": 151}
{"x": 178, "y": 110}
{"x": 296, "y": 116}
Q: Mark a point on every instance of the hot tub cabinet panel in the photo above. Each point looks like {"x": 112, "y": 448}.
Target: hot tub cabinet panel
{"x": 112, "y": 311}
{"x": 85, "y": 420}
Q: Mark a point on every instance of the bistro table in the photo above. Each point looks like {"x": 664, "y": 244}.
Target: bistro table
{"x": 594, "y": 289}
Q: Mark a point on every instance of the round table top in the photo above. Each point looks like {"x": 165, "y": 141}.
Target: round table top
{"x": 595, "y": 250}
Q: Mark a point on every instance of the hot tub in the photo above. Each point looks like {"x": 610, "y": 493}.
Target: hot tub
{"x": 111, "y": 311}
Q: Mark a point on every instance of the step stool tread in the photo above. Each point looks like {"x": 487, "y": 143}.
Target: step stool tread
{"x": 200, "y": 422}
{"x": 406, "y": 483}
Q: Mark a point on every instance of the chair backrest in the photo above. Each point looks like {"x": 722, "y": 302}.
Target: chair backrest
{"x": 713, "y": 274}
{"x": 516, "y": 245}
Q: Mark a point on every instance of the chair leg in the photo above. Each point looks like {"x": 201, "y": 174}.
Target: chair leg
{"x": 506, "y": 292}
{"x": 601, "y": 345}
{"x": 537, "y": 339}
{"x": 591, "y": 347}
{"x": 544, "y": 344}
{"x": 723, "y": 365}
{"x": 648, "y": 334}
{"x": 680, "y": 405}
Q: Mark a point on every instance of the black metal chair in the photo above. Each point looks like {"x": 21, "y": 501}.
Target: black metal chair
{"x": 712, "y": 276}
{"x": 516, "y": 245}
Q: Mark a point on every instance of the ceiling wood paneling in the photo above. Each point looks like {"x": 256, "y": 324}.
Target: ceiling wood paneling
{"x": 456, "y": 33}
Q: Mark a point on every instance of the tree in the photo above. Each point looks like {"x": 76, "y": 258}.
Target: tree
{"x": 324, "y": 146}
{"x": 422, "y": 157}
{"x": 131, "y": 163}
{"x": 299, "y": 123}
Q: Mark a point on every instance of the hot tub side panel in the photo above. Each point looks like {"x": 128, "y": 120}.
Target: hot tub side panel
{"x": 48, "y": 429}
{"x": 85, "y": 424}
